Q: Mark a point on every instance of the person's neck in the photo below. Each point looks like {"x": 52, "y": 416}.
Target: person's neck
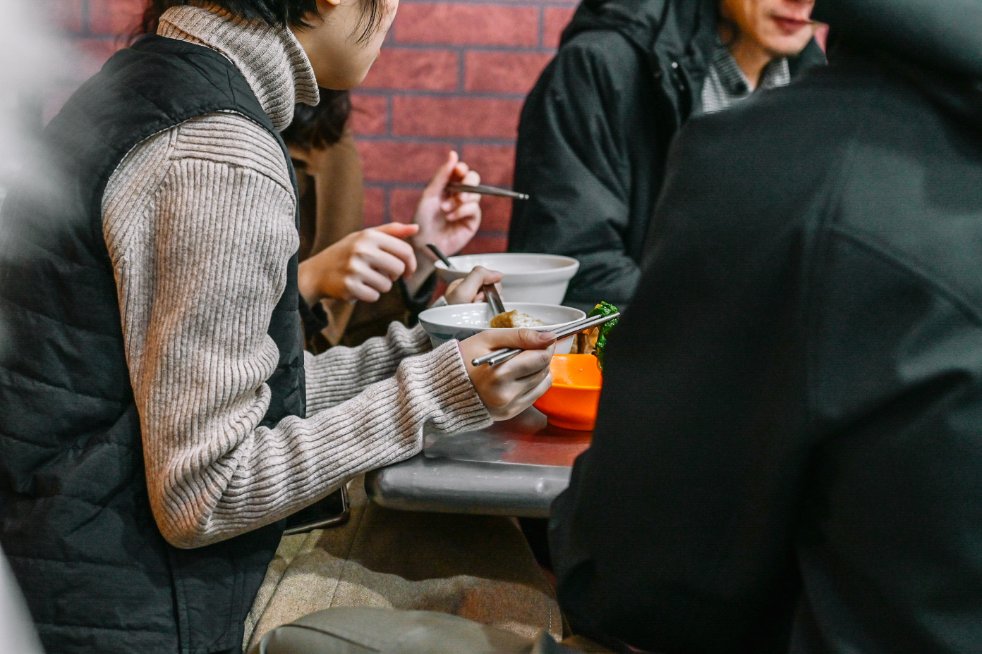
{"x": 749, "y": 56}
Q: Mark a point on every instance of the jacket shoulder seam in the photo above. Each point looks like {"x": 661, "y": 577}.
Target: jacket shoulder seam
{"x": 896, "y": 259}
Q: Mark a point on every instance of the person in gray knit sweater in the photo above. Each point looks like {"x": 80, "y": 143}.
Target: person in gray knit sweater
{"x": 198, "y": 222}
{"x": 221, "y": 174}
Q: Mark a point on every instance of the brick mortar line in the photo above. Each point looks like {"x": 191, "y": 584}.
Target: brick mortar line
{"x": 426, "y": 93}
{"x": 493, "y": 49}
{"x": 397, "y": 186}
{"x": 435, "y": 140}
{"x": 85, "y": 28}
{"x": 459, "y": 94}
{"x": 462, "y": 70}
{"x": 552, "y": 4}
{"x": 463, "y": 48}
{"x": 389, "y": 114}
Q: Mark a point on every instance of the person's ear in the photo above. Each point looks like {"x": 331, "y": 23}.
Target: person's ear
{"x": 321, "y": 8}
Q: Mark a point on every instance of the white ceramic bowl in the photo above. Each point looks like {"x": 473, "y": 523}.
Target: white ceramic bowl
{"x": 527, "y": 277}
{"x": 462, "y": 320}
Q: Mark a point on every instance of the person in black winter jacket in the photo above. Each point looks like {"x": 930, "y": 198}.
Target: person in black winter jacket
{"x": 788, "y": 453}
{"x": 595, "y": 130}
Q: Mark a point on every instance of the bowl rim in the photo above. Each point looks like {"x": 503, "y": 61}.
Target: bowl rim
{"x": 581, "y": 387}
{"x": 570, "y": 263}
{"x": 508, "y": 305}
{"x": 576, "y": 387}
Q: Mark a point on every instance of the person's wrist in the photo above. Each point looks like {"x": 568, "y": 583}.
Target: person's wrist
{"x": 418, "y": 241}
{"x": 416, "y": 281}
{"x": 307, "y": 284}
{"x": 424, "y": 266}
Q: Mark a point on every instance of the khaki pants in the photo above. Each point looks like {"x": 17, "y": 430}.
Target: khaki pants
{"x": 475, "y": 567}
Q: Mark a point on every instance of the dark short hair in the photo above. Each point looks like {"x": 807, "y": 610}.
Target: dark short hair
{"x": 274, "y": 12}
{"x": 320, "y": 126}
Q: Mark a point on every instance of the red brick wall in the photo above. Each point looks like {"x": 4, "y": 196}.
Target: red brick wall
{"x": 452, "y": 75}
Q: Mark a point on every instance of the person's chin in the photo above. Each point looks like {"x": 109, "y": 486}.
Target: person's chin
{"x": 789, "y": 46}
{"x": 335, "y": 83}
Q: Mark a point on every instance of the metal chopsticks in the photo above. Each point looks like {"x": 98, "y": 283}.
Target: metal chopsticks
{"x": 502, "y": 355}
{"x": 494, "y": 298}
{"x": 441, "y": 256}
{"x": 484, "y": 189}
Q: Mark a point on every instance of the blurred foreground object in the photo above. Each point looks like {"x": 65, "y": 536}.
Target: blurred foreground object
{"x": 787, "y": 456}
{"x": 16, "y": 630}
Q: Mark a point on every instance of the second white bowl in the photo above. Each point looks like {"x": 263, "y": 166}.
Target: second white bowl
{"x": 527, "y": 277}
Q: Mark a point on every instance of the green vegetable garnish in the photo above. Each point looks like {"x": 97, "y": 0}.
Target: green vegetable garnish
{"x": 603, "y": 309}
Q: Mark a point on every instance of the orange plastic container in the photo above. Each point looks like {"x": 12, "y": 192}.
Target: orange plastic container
{"x": 571, "y": 401}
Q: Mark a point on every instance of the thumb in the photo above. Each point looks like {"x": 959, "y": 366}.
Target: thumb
{"x": 442, "y": 176}
{"x": 524, "y": 338}
{"x": 471, "y": 283}
{"x": 399, "y": 230}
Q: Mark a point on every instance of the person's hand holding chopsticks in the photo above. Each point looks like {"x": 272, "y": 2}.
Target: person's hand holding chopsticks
{"x": 450, "y": 220}
{"x": 511, "y": 387}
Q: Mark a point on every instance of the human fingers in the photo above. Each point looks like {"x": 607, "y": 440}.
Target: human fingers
{"x": 525, "y": 400}
{"x": 531, "y": 362}
{"x": 442, "y": 175}
{"x": 452, "y": 286}
{"x": 506, "y": 400}
{"x": 466, "y": 215}
{"x": 359, "y": 290}
{"x": 523, "y": 339}
{"x": 462, "y": 175}
{"x": 381, "y": 262}
{"x": 398, "y": 230}
{"x": 536, "y": 351}
{"x": 469, "y": 288}
{"x": 381, "y": 242}
{"x": 366, "y": 284}
{"x": 510, "y": 388}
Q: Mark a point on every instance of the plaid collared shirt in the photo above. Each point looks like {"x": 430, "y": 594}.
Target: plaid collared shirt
{"x": 726, "y": 84}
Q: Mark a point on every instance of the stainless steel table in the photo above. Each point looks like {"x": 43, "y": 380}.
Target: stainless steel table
{"x": 515, "y": 467}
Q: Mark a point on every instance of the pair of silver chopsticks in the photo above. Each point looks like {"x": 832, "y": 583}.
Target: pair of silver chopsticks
{"x": 484, "y": 189}
{"x": 502, "y": 355}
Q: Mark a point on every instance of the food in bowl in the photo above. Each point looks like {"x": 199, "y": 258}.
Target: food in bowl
{"x": 571, "y": 402}
{"x": 594, "y": 341}
{"x": 527, "y": 277}
{"x": 514, "y": 318}
{"x": 463, "y": 320}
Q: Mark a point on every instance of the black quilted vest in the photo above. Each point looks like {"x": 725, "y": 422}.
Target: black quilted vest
{"x": 76, "y": 520}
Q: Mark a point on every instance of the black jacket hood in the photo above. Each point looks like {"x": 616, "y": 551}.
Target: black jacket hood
{"x": 938, "y": 44}
{"x": 669, "y": 23}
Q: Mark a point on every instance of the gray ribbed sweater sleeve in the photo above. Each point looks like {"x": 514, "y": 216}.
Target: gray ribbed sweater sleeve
{"x": 199, "y": 223}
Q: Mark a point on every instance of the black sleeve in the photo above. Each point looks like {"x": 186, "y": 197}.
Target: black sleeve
{"x": 674, "y": 532}
{"x": 572, "y": 159}
{"x": 416, "y": 304}
{"x": 312, "y": 318}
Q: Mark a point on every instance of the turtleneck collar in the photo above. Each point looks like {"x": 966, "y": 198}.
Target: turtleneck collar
{"x": 270, "y": 58}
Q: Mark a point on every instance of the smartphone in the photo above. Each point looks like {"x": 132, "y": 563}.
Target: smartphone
{"x": 331, "y": 511}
